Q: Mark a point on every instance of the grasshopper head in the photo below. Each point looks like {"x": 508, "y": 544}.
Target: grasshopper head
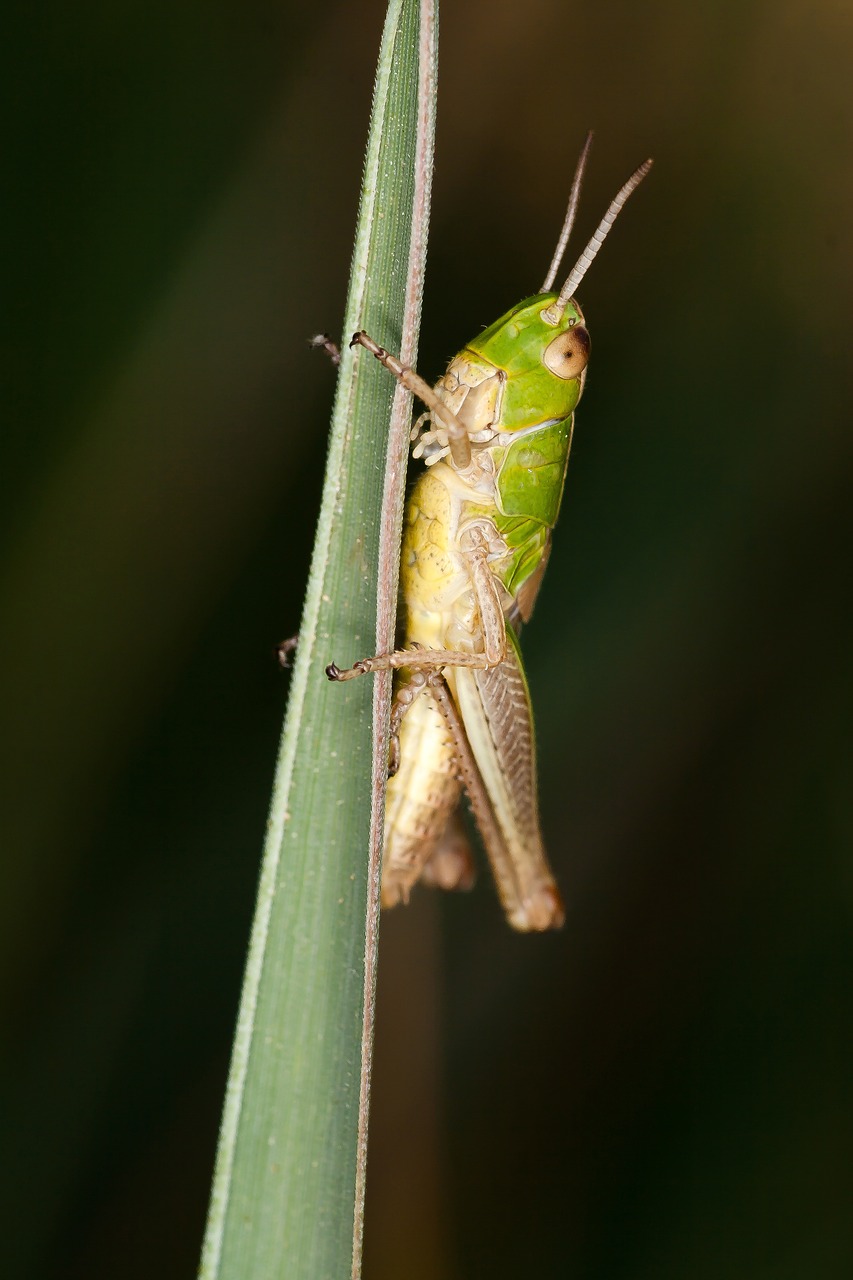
{"x": 544, "y": 362}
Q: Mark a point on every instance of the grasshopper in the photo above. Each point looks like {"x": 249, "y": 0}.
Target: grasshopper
{"x": 477, "y": 535}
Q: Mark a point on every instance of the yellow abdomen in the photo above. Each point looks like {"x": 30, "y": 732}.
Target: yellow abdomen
{"x": 433, "y": 581}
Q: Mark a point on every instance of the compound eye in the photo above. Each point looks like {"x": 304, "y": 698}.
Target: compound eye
{"x": 568, "y": 353}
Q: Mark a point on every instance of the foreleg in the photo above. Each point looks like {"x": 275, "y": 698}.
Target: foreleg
{"x": 457, "y": 436}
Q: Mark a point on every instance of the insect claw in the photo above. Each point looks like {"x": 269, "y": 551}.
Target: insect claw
{"x": 334, "y": 672}
{"x": 322, "y": 342}
{"x": 355, "y": 340}
{"x": 285, "y": 649}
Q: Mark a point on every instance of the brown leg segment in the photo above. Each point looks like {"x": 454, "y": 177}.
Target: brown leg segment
{"x": 536, "y": 911}
{"x": 481, "y": 805}
{"x": 457, "y": 435}
{"x": 404, "y": 698}
{"x": 450, "y": 864}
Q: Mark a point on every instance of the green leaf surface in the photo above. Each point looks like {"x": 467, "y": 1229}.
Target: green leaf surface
{"x": 288, "y": 1188}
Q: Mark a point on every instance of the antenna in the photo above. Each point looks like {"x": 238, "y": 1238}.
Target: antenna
{"x": 584, "y": 262}
{"x": 574, "y": 196}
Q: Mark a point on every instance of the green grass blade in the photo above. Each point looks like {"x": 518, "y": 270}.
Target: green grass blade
{"x": 288, "y": 1187}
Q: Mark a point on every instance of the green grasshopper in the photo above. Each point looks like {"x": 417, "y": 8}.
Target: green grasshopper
{"x": 477, "y": 535}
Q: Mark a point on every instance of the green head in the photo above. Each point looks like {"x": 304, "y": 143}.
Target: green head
{"x": 544, "y": 362}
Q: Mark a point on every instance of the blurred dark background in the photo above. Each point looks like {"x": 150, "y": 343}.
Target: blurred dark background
{"x": 664, "y": 1088}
